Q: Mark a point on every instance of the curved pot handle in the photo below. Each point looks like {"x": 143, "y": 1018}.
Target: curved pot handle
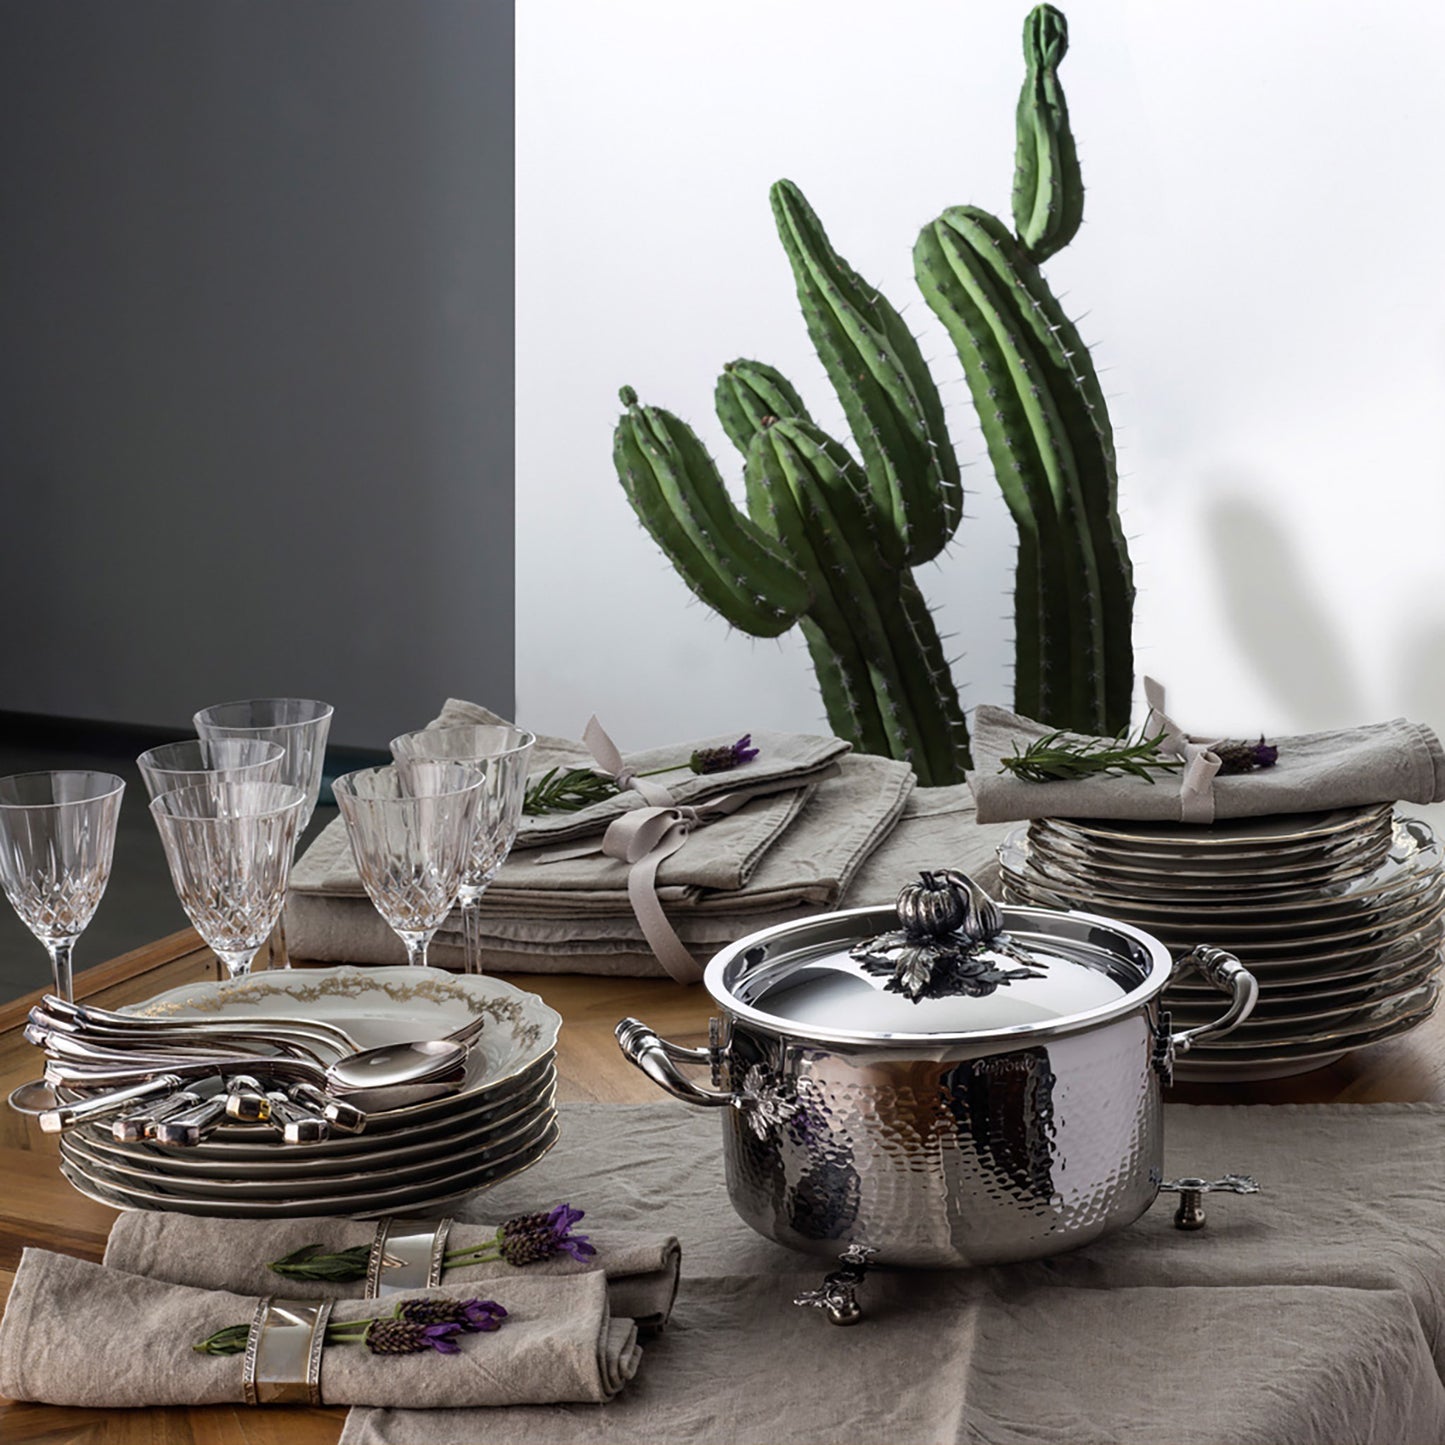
{"x": 658, "y": 1058}
{"x": 1229, "y": 976}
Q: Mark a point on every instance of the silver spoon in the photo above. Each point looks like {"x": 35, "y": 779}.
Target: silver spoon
{"x": 385, "y": 1077}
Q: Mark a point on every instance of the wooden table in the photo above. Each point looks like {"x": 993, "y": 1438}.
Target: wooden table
{"x": 38, "y": 1207}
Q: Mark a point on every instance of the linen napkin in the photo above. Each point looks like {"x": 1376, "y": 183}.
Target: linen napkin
{"x": 76, "y": 1333}
{"x": 796, "y": 757}
{"x": 1388, "y": 762}
{"x": 1313, "y": 1312}
{"x": 873, "y": 841}
{"x": 640, "y": 1267}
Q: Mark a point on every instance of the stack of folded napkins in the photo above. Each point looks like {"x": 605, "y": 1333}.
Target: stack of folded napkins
{"x": 123, "y": 1333}
{"x": 841, "y": 829}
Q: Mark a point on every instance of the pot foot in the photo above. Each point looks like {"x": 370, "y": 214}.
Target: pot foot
{"x": 838, "y": 1295}
{"x": 1191, "y": 1192}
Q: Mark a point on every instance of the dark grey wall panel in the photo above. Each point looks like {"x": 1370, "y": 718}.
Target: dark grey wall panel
{"x": 256, "y": 371}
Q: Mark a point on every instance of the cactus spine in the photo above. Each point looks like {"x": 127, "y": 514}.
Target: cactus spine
{"x": 827, "y": 541}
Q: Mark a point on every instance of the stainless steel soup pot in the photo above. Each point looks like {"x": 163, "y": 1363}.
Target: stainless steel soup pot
{"x": 943, "y": 1083}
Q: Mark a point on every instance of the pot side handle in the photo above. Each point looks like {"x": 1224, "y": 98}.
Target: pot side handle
{"x": 658, "y": 1059}
{"x": 1229, "y": 976}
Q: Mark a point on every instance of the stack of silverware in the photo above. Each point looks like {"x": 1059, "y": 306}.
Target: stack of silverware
{"x": 1340, "y": 916}
{"x": 330, "y": 1091}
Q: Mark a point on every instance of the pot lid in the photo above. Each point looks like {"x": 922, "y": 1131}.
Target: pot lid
{"x": 946, "y": 962}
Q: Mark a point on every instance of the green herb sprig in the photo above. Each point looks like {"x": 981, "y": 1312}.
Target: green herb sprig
{"x": 569, "y": 792}
{"x": 1058, "y": 758}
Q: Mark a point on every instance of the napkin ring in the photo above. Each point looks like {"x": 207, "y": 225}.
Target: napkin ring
{"x": 406, "y": 1254}
{"x": 283, "y": 1352}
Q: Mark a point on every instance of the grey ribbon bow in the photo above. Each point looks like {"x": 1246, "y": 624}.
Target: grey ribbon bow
{"x": 644, "y": 837}
{"x": 1196, "y": 785}
{"x": 607, "y": 757}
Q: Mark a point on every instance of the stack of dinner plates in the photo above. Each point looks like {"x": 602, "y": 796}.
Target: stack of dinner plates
{"x": 406, "y": 1161}
{"x": 1339, "y": 915}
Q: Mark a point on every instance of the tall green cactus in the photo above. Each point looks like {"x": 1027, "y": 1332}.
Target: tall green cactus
{"x": 827, "y": 541}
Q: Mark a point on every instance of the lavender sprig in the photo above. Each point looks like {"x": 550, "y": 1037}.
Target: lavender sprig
{"x": 413, "y": 1326}
{"x": 578, "y": 788}
{"x": 523, "y": 1239}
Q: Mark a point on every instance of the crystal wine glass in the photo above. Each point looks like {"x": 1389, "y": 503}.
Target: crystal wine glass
{"x": 300, "y": 725}
{"x": 501, "y": 754}
{"x": 57, "y": 839}
{"x": 411, "y": 837}
{"x": 229, "y": 847}
{"x": 197, "y": 761}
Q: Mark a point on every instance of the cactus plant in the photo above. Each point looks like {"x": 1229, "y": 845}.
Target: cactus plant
{"x": 828, "y": 541}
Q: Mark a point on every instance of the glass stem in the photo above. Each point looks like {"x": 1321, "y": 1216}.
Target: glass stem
{"x": 472, "y": 934}
{"x": 416, "y": 947}
{"x": 277, "y": 955}
{"x": 60, "y": 952}
{"x": 237, "y": 965}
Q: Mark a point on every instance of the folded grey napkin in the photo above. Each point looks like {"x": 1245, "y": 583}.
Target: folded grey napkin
{"x": 76, "y": 1333}
{"x": 723, "y": 855}
{"x": 874, "y": 840}
{"x": 640, "y": 1268}
{"x": 1389, "y": 762}
{"x": 796, "y": 757}
{"x": 1313, "y": 1312}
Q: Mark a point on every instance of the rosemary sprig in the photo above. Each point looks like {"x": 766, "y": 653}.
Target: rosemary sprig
{"x": 1060, "y": 759}
{"x": 569, "y": 792}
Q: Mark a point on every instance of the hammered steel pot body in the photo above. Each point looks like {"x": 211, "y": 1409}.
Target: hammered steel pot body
{"x": 941, "y": 1145}
{"x": 948, "y": 1161}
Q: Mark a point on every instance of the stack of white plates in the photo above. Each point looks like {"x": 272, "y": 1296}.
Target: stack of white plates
{"x": 406, "y": 1161}
{"x": 1339, "y": 915}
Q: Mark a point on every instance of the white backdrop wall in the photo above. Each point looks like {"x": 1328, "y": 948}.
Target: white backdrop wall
{"x": 1259, "y": 265}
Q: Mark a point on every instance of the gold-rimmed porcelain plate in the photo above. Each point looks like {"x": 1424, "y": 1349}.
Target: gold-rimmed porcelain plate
{"x": 1283, "y": 1063}
{"x": 300, "y": 1163}
{"x": 95, "y": 1183}
{"x": 1274, "y": 834}
{"x": 386, "y": 1006}
{"x": 519, "y": 1132}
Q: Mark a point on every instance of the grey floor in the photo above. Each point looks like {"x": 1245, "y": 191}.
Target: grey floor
{"x": 140, "y": 904}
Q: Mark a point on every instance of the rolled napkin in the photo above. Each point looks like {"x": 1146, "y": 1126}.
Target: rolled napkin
{"x": 1389, "y": 762}
{"x": 76, "y": 1333}
{"x": 640, "y": 1267}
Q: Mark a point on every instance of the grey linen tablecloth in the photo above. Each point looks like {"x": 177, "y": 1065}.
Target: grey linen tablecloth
{"x": 77, "y": 1333}
{"x": 641, "y": 1268}
{"x": 1310, "y": 1314}
{"x": 863, "y": 835}
{"x": 1389, "y": 762}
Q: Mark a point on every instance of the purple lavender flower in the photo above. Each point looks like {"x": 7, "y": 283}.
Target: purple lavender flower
{"x": 562, "y": 1218}
{"x": 402, "y": 1337}
{"x": 527, "y": 1238}
{"x": 724, "y": 760}
{"x": 439, "y": 1337}
{"x": 1266, "y": 755}
{"x": 483, "y": 1315}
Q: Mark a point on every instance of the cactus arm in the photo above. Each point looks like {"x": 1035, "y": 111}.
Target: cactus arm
{"x": 890, "y": 400}
{"x": 748, "y": 391}
{"x": 1084, "y": 413}
{"x": 1048, "y": 198}
{"x": 971, "y": 283}
{"x": 852, "y": 711}
{"x": 727, "y": 560}
{"x": 807, "y": 485}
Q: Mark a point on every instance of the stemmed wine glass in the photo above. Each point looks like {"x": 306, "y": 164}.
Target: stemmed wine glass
{"x": 197, "y": 761}
{"x": 298, "y": 724}
{"x": 501, "y": 754}
{"x": 229, "y": 847}
{"x": 57, "y": 839}
{"x": 411, "y": 836}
